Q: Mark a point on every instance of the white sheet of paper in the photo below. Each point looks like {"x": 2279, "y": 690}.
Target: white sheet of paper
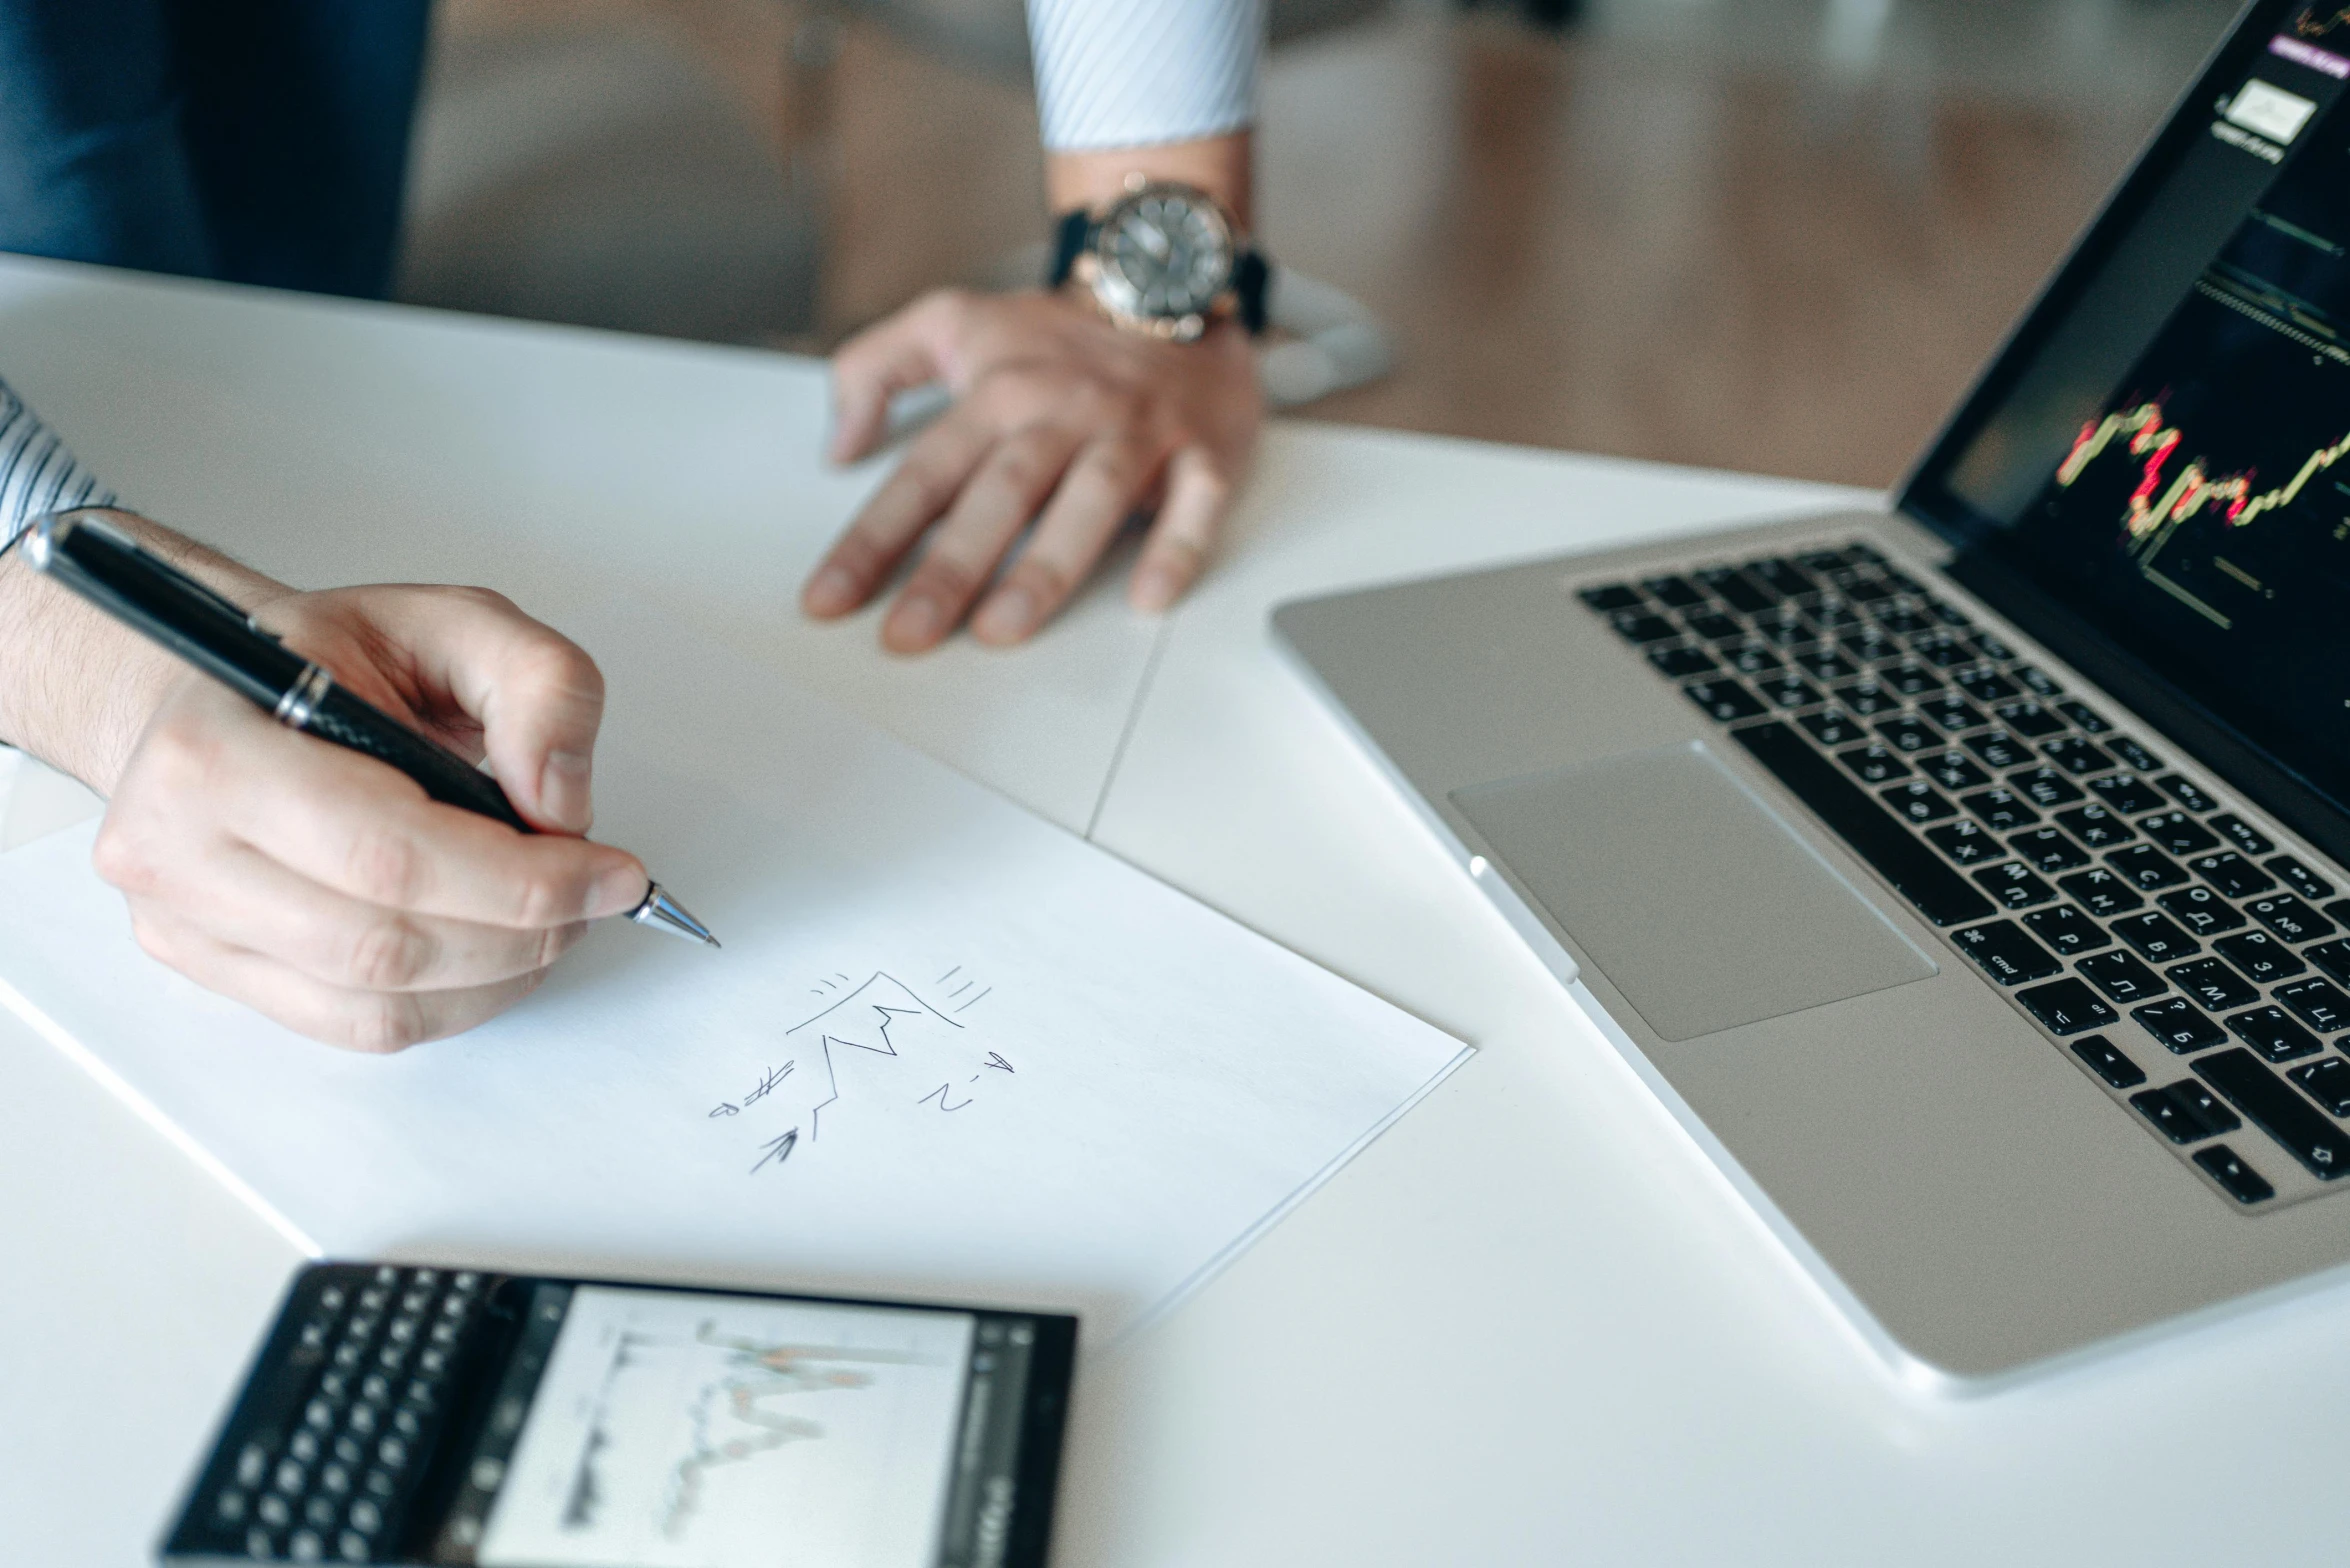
{"x": 949, "y": 1051}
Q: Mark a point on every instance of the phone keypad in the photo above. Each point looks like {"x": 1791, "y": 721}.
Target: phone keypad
{"x": 330, "y": 1481}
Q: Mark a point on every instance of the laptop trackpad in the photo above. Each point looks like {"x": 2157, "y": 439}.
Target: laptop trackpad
{"x": 1686, "y": 892}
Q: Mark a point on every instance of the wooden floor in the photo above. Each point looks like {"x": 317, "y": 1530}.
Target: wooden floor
{"x": 1779, "y": 237}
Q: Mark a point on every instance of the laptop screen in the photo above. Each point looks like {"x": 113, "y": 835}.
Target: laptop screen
{"x": 2164, "y": 447}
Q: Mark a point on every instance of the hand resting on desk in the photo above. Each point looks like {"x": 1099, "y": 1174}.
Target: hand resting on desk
{"x": 1060, "y": 419}
{"x": 310, "y": 882}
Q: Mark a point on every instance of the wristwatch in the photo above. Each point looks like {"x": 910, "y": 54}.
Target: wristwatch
{"x": 1164, "y": 260}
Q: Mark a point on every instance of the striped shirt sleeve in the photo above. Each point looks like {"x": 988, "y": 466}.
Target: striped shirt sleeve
{"x": 1140, "y": 73}
{"x": 37, "y": 473}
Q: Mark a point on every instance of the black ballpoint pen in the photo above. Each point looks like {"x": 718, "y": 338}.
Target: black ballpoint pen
{"x": 156, "y": 599}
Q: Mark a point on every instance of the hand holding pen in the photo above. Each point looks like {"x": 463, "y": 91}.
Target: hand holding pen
{"x": 326, "y": 888}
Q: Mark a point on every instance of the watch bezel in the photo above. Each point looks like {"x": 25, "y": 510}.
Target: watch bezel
{"x": 1122, "y": 297}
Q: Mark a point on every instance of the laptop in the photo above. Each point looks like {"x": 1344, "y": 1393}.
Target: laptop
{"x": 1971, "y": 879}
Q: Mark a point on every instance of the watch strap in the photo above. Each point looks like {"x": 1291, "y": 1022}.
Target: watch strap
{"x": 1071, "y": 235}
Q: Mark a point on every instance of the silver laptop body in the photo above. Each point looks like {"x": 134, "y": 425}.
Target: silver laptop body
{"x": 1959, "y": 875}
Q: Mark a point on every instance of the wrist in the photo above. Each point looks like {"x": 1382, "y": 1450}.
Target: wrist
{"x": 1222, "y": 166}
{"x": 77, "y": 687}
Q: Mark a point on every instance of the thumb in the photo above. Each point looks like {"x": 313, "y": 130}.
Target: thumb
{"x": 892, "y": 356}
{"x": 536, "y": 694}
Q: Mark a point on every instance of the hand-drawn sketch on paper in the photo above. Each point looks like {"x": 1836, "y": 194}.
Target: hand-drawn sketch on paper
{"x": 870, "y": 1044}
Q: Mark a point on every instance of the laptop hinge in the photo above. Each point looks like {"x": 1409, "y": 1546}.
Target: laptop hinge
{"x": 2186, "y": 723}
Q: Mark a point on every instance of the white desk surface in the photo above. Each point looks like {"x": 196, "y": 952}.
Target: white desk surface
{"x": 1528, "y": 1326}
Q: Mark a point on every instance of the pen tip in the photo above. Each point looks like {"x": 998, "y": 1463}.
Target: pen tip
{"x": 663, "y": 913}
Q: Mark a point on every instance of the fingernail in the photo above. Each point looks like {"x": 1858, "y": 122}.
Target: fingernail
{"x": 1156, "y": 587}
{"x": 915, "y": 622}
{"x": 1010, "y": 613}
{"x": 831, "y": 590}
{"x": 563, "y": 789}
{"x": 617, "y": 892}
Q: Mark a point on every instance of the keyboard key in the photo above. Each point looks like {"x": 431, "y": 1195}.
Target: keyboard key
{"x": 2101, "y": 892}
{"x": 1906, "y": 618}
{"x": 2201, "y": 911}
{"x": 2178, "y": 833}
{"x": 2134, "y": 755}
{"x": 1784, "y": 628}
{"x": 2178, "y": 1111}
{"x": 2076, "y": 756}
{"x": 2212, "y": 983}
{"x": 1677, "y": 593}
{"x": 1725, "y": 700}
{"x": 1985, "y": 686}
{"x": 1782, "y": 577}
{"x": 1635, "y": 627}
{"x": 2105, "y": 1059}
{"x": 2300, "y": 878}
{"x": 2180, "y": 1025}
{"x": 2085, "y": 718}
{"x": 1873, "y": 764}
{"x": 2145, "y": 867}
{"x": 1992, "y": 648}
{"x": 2047, "y": 851}
{"x": 2037, "y": 680}
{"x": 1917, "y": 801}
{"x": 1734, "y": 589}
{"x": 2272, "y": 1106}
{"x": 1823, "y": 664}
{"x": 1908, "y": 735}
{"x": 2339, "y": 911}
{"x": 2067, "y": 1007}
{"x": 2271, "y": 1031}
{"x": 1965, "y": 843}
{"x": 2290, "y": 918}
{"x": 2317, "y": 1003}
{"x": 2014, "y": 885}
{"x": 2005, "y": 953}
{"x": 2043, "y": 787}
{"x": 2333, "y": 958}
{"x": 2000, "y": 750}
{"x": 1941, "y": 649}
{"x": 2001, "y": 809}
{"x": 2241, "y": 1181}
{"x": 2121, "y": 977}
{"x": 2156, "y": 937}
{"x": 2242, "y": 834}
{"x": 1911, "y": 866}
{"x": 1714, "y": 626}
{"x": 1607, "y": 597}
{"x": 1868, "y": 645}
{"x": 2029, "y": 719}
{"x": 2262, "y": 957}
{"x": 1953, "y": 771}
{"x": 1787, "y": 691}
{"x": 1749, "y": 657}
{"x": 2126, "y": 793}
{"x": 2326, "y": 1082}
{"x": 1868, "y": 699}
{"x": 1831, "y": 728}
{"x": 2066, "y": 930}
{"x": 1909, "y": 678}
{"x": 1679, "y": 663}
{"x": 1950, "y": 712}
{"x": 2095, "y": 826}
{"x": 2185, "y": 792}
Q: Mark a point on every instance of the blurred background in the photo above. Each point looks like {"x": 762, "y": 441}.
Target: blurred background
{"x": 1777, "y": 235}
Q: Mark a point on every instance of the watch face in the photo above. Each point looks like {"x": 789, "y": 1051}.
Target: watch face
{"x": 1164, "y": 252}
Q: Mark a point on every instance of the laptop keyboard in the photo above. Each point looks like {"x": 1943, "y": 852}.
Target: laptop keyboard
{"x": 2156, "y": 932}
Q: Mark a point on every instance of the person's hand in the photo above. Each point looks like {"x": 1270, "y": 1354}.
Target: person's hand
{"x": 323, "y": 888}
{"x": 1059, "y": 418}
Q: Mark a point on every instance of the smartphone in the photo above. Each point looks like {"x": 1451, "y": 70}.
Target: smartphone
{"x": 455, "y": 1416}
